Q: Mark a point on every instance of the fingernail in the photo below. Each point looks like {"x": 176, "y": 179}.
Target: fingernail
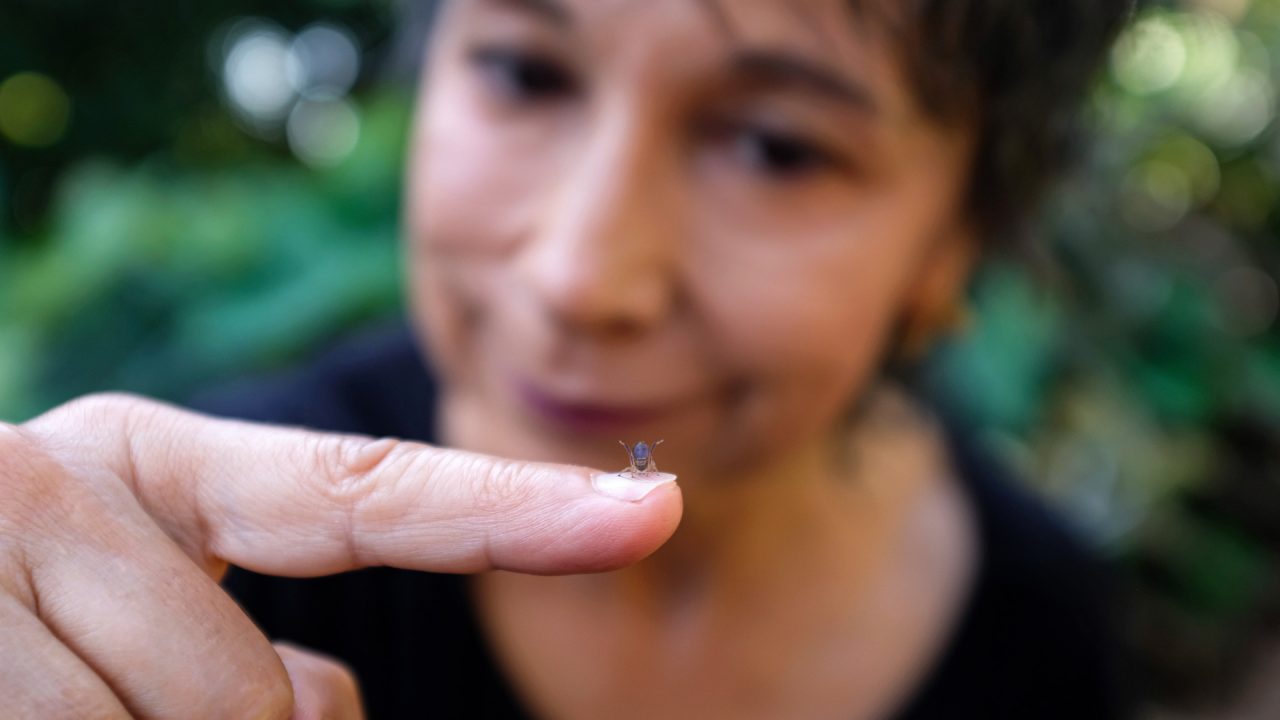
{"x": 633, "y": 488}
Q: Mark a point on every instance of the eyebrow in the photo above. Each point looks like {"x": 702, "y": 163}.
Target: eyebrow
{"x": 767, "y": 66}
{"x": 547, "y": 9}
{"x": 788, "y": 70}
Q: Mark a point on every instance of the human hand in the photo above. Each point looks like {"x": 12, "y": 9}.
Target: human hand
{"x": 118, "y": 516}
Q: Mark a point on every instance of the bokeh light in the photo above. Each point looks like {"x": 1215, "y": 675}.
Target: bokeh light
{"x": 1195, "y": 160}
{"x": 323, "y": 131}
{"x": 1212, "y": 48}
{"x": 277, "y": 81}
{"x": 1149, "y": 57}
{"x": 1237, "y": 109}
{"x": 324, "y": 60}
{"x": 1155, "y": 196}
{"x": 1233, "y": 10}
{"x": 255, "y": 73}
{"x": 34, "y": 110}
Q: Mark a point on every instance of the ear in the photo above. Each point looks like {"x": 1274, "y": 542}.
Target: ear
{"x": 935, "y": 304}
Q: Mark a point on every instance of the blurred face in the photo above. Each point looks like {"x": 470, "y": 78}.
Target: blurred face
{"x": 696, "y": 220}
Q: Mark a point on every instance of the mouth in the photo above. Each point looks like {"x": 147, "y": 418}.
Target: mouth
{"x": 589, "y": 416}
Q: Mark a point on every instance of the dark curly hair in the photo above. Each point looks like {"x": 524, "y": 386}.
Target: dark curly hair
{"x": 1020, "y": 69}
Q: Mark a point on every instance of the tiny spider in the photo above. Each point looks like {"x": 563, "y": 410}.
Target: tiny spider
{"x": 641, "y": 457}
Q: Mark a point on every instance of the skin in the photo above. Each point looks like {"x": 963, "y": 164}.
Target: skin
{"x": 119, "y": 514}
{"x": 637, "y": 259}
{"x": 621, "y": 263}
{"x": 606, "y": 244}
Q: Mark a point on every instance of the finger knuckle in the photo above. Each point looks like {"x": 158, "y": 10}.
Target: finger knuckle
{"x": 352, "y": 472}
{"x": 502, "y": 486}
{"x": 15, "y": 442}
{"x": 97, "y": 409}
{"x": 82, "y": 700}
{"x": 272, "y": 701}
{"x": 30, "y": 480}
{"x": 329, "y": 670}
{"x": 91, "y": 424}
{"x": 15, "y": 448}
{"x": 339, "y": 676}
{"x": 351, "y": 466}
{"x": 262, "y": 689}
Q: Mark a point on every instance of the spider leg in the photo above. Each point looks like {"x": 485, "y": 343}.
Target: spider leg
{"x": 653, "y": 464}
{"x": 631, "y": 460}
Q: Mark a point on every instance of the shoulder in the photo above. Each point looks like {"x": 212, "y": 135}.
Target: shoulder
{"x": 1039, "y": 637}
{"x": 1027, "y": 548}
{"x": 374, "y": 381}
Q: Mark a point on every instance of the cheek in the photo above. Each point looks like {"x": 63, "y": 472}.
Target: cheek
{"x": 803, "y": 320}
{"x": 802, "y": 309}
{"x": 473, "y": 186}
{"x": 472, "y": 194}
{"x": 446, "y": 228}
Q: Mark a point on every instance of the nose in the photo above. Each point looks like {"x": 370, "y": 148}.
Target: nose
{"x": 601, "y": 261}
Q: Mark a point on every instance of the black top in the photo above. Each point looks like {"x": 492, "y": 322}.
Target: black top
{"x": 1036, "y": 639}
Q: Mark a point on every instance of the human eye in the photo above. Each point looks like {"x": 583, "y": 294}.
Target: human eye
{"x": 522, "y": 76}
{"x": 776, "y": 153}
{"x": 780, "y": 154}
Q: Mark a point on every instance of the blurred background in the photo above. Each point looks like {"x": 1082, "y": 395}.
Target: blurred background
{"x": 191, "y": 191}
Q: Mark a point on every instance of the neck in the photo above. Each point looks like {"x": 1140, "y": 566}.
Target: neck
{"x": 837, "y": 502}
{"x": 732, "y": 524}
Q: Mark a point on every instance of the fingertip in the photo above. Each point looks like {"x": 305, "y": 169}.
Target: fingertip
{"x": 666, "y": 504}
{"x": 621, "y": 533}
{"x": 629, "y": 486}
{"x": 322, "y": 686}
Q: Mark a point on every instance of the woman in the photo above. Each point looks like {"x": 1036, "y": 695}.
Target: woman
{"x": 709, "y": 221}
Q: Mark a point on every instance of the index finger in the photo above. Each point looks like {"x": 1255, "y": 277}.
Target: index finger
{"x": 287, "y": 501}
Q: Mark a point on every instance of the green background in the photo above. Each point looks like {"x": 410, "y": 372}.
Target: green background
{"x": 1127, "y": 365}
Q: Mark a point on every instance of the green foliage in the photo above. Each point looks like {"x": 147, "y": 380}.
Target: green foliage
{"x": 1133, "y": 377}
{"x": 156, "y": 279}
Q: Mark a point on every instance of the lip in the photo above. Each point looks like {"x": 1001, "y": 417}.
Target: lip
{"x": 584, "y": 416}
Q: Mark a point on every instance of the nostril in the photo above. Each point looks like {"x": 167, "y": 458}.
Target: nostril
{"x": 607, "y": 321}
{"x": 586, "y": 297}
{"x": 621, "y": 329}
